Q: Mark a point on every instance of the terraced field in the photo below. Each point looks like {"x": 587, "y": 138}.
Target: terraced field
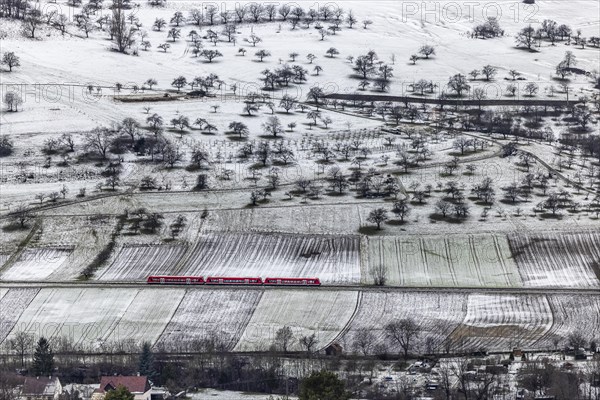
{"x": 458, "y": 260}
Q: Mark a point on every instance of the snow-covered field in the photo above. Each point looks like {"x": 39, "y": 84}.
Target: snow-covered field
{"x": 136, "y": 263}
{"x": 508, "y": 246}
{"x": 558, "y": 259}
{"x": 147, "y": 316}
{"x": 248, "y": 320}
{"x": 86, "y": 317}
{"x": 322, "y": 313}
{"x": 497, "y": 322}
{"x": 12, "y": 304}
{"x": 218, "y": 317}
{"x": 50, "y": 60}
{"x": 476, "y": 260}
{"x": 331, "y": 259}
{"x": 437, "y": 315}
{"x": 572, "y": 314}
{"x": 36, "y": 264}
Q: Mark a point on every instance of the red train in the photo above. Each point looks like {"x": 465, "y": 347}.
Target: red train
{"x": 220, "y": 280}
{"x": 175, "y": 280}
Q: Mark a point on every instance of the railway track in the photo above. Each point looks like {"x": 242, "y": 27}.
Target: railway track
{"x": 363, "y": 288}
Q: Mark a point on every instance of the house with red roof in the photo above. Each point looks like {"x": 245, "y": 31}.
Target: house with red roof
{"x": 139, "y": 386}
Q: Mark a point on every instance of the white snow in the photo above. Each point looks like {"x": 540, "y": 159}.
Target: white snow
{"x": 452, "y": 260}
{"x": 504, "y": 321}
{"x": 558, "y": 259}
{"x": 219, "y": 315}
{"x": 329, "y": 258}
{"x": 36, "y": 264}
{"x": 138, "y": 262}
{"x": 323, "y": 313}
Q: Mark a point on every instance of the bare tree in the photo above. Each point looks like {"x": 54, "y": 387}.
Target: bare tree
{"x": 309, "y": 342}
{"x": 403, "y": 332}
{"x": 9, "y": 58}
{"x": 210, "y": 55}
{"x": 378, "y": 216}
{"x": 22, "y": 343}
{"x": 273, "y": 126}
{"x": 526, "y": 37}
{"x": 284, "y": 338}
{"x": 22, "y": 215}
{"x": 379, "y": 274}
{"x": 98, "y": 141}
{"x": 427, "y": 50}
{"x": 32, "y": 20}
{"x": 123, "y": 34}
{"x": 401, "y": 208}
{"x": 261, "y": 54}
{"x": 363, "y": 340}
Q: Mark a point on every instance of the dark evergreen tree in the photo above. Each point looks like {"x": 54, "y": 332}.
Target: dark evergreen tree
{"x": 120, "y": 393}
{"x": 43, "y": 358}
{"x": 323, "y": 385}
{"x": 146, "y": 365}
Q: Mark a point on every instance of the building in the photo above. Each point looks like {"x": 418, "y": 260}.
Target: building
{"x": 41, "y": 388}
{"x": 334, "y": 349}
{"x": 139, "y": 386}
{"x": 84, "y": 391}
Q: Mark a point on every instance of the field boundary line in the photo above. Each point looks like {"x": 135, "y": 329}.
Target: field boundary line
{"x": 346, "y": 327}
{"x": 241, "y": 330}
{"x": 9, "y": 331}
{"x": 175, "y": 309}
{"x": 118, "y": 320}
{"x": 554, "y": 321}
{"x": 21, "y": 247}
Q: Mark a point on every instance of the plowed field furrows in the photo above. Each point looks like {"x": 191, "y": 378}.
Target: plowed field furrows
{"x": 12, "y": 304}
{"x": 324, "y": 313}
{"x": 136, "y": 263}
{"x": 454, "y": 261}
{"x": 558, "y": 259}
{"x": 333, "y": 259}
{"x": 219, "y": 316}
{"x": 502, "y": 322}
{"x": 572, "y": 314}
{"x": 436, "y": 315}
{"x": 85, "y": 317}
{"x": 147, "y": 316}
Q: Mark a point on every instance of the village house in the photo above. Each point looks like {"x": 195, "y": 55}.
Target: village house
{"x": 139, "y": 386}
{"x": 41, "y": 388}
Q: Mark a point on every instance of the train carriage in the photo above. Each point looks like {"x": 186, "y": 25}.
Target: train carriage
{"x": 293, "y": 281}
{"x": 175, "y": 280}
{"x": 222, "y": 280}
